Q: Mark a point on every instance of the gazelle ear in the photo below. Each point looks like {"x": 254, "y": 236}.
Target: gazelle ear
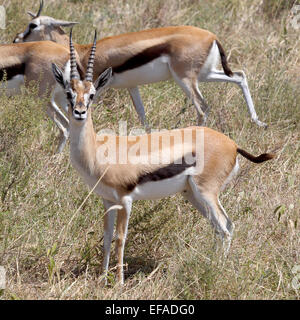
{"x": 58, "y": 75}
{"x": 62, "y": 23}
{"x": 104, "y": 79}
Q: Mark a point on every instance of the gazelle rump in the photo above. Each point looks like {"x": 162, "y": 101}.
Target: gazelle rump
{"x": 123, "y": 182}
{"x": 186, "y": 54}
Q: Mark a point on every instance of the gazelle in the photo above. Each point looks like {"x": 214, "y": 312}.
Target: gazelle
{"x": 185, "y": 53}
{"x": 123, "y": 169}
{"x": 20, "y": 63}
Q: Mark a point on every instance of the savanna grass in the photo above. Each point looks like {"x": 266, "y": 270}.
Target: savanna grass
{"x": 52, "y": 250}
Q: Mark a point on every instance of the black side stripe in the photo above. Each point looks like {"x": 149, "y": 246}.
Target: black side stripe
{"x": 143, "y": 57}
{"x": 166, "y": 172}
{"x": 9, "y": 72}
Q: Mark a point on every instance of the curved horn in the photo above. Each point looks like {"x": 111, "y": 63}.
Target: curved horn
{"x": 74, "y": 73}
{"x": 40, "y": 9}
{"x": 33, "y": 15}
{"x": 90, "y": 66}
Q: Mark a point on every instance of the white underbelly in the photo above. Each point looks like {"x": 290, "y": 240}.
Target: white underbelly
{"x": 154, "y": 71}
{"x": 13, "y": 86}
{"x": 161, "y": 189}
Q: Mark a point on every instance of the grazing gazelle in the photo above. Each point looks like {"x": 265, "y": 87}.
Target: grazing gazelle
{"x": 123, "y": 169}
{"x": 185, "y": 53}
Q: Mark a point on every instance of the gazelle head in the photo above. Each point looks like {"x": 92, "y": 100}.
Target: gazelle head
{"x": 42, "y": 28}
{"x": 80, "y": 93}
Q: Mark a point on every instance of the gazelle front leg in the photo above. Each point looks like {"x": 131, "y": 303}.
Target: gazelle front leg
{"x": 109, "y": 221}
{"x": 139, "y": 107}
{"x": 190, "y": 88}
{"x": 62, "y": 124}
{"x": 56, "y": 114}
{"x": 122, "y": 227}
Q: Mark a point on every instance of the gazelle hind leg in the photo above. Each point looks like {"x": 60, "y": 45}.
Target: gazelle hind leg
{"x": 139, "y": 107}
{"x": 240, "y": 79}
{"x": 209, "y": 206}
{"x": 230, "y": 228}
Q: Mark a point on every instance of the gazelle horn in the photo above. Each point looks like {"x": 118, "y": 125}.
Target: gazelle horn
{"x": 40, "y": 9}
{"x": 33, "y": 15}
{"x": 90, "y": 66}
{"x": 74, "y": 73}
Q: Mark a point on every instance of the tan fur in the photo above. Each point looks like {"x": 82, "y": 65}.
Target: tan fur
{"x": 188, "y": 45}
{"x": 37, "y": 57}
{"x": 219, "y": 160}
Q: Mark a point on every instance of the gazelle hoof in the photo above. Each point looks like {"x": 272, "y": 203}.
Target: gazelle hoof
{"x": 261, "y": 124}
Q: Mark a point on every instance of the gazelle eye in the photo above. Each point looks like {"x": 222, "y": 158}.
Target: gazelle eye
{"x": 92, "y": 96}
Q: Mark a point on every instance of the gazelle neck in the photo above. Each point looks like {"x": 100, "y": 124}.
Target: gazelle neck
{"x": 83, "y": 143}
{"x": 58, "y": 36}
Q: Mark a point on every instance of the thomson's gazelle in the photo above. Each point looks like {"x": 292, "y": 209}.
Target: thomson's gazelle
{"x": 184, "y": 53}
{"x": 195, "y": 161}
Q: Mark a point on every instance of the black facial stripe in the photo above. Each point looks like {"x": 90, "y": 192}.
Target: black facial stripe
{"x": 70, "y": 98}
{"x": 143, "y": 57}
{"x": 72, "y": 104}
{"x": 26, "y": 33}
{"x": 166, "y": 172}
{"x": 69, "y": 95}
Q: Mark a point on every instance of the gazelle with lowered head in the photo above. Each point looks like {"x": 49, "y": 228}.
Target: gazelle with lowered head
{"x": 185, "y": 53}
{"x": 123, "y": 169}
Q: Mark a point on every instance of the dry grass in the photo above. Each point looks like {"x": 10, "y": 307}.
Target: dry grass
{"x": 53, "y": 251}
